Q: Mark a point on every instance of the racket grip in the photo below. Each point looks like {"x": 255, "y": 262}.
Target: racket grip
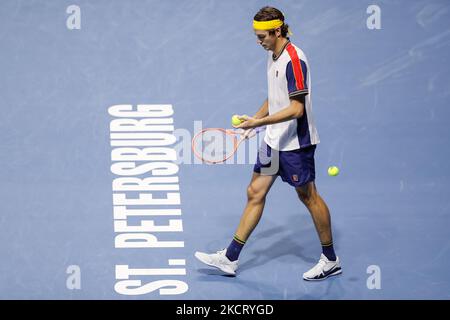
{"x": 249, "y": 133}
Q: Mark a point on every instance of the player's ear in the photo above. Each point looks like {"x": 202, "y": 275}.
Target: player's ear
{"x": 278, "y": 32}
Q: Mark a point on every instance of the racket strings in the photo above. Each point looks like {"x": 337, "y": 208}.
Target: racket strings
{"x": 214, "y": 145}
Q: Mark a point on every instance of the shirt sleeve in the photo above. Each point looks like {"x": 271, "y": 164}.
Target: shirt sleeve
{"x": 296, "y": 76}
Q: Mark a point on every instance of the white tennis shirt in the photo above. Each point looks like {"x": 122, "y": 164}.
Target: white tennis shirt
{"x": 288, "y": 76}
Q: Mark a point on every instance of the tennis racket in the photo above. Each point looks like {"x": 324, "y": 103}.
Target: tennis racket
{"x": 216, "y": 145}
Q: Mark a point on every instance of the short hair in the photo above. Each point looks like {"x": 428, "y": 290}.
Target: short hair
{"x": 270, "y": 13}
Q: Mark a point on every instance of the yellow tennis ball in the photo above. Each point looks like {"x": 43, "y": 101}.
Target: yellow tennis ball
{"x": 333, "y": 171}
{"x": 235, "y": 120}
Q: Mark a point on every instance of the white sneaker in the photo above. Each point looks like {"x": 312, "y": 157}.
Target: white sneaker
{"x": 218, "y": 260}
{"x": 323, "y": 269}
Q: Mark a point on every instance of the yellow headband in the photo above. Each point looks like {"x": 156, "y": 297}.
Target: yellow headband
{"x": 267, "y": 25}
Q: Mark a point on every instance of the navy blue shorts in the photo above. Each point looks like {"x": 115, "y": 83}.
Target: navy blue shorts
{"x": 295, "y": 167}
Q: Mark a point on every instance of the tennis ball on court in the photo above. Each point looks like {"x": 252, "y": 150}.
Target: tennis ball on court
{"x": 333, "y": 171}
{"x": 235, "y": 120}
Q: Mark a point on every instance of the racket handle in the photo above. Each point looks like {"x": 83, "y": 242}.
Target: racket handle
{"x": 249, "y": 133}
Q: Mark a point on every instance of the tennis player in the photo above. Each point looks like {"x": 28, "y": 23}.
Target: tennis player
{"x": 288, "y": 149}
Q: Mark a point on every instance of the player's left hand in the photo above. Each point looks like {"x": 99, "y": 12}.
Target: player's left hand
{"x": 248, "y": 123}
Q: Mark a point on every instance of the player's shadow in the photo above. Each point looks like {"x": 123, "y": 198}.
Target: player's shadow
{"x": 301, "y": 241}
{"x": 257, "y": 289}
{"x": 295, "y": 242}
{"x": 213, "y": 272}
{"x": 282, "y": 247}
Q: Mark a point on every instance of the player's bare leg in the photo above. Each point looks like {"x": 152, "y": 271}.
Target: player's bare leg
{"x": 256, "y": 198}
{"x": 319, "y": 211}
{"x": 328, "y": 264}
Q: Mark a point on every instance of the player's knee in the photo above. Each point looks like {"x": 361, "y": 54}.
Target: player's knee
{"x": 306, "y": 194}
{"x": 304, "y": 197}
{"x": 254, "y": 194}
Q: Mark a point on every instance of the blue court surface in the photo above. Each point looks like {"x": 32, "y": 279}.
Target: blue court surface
{"x": 74, "y": 223}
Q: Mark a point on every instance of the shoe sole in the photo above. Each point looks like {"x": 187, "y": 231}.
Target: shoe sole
{"x": 337, "y": 272}
{"x": 231, "y": 273}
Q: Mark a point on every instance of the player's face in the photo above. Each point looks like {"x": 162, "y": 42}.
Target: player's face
{"x": 266, "y": 40}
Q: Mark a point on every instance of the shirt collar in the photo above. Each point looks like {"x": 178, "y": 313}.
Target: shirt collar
{"x": 274, "y": 57}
